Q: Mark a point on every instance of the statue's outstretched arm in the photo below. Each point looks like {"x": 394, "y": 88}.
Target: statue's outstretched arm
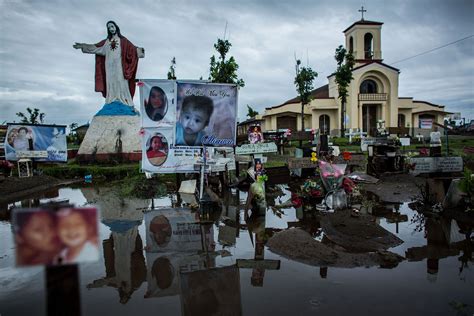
{"x": 78, "y": 45}
{"x": 89, "y": 48}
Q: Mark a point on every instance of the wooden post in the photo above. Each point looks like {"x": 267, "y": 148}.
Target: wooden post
{"x": 203, "y": 169}
{"x": 237, "y": 165}
{"x": 62, "y": 290}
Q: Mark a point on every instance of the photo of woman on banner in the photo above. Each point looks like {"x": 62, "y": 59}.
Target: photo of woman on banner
{"x": 194, "y": 117}
{"x": 157, "y": 104}
{"x": 157, "y": 151}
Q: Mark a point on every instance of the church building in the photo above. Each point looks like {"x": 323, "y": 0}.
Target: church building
{"x": 372, "y": 96}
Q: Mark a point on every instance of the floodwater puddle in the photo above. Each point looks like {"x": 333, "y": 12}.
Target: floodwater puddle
{"x": 160, "y": 257}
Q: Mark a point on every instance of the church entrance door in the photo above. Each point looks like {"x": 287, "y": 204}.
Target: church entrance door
{"x": 369, "y": 119}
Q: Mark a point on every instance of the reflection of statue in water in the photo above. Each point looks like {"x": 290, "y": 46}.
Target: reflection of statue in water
{"x": 115, "y": 65}
{"x": 124, "y": 263}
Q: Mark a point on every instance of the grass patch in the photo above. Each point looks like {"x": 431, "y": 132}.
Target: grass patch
{"x": 140, "y": 187}
{"x": 71, "y": 171}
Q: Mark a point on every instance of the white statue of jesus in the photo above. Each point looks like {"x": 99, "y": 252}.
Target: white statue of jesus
{"x": 116, "y": 65}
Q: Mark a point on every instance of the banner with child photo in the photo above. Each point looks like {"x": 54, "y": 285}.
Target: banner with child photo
{"x": 180, "y": 117}
{"x": 206, "y": 114}
{"x": 160, "y": 156}
{"x": 45, "y": 143}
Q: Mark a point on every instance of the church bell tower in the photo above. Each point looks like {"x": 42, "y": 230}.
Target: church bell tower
{"x": 363, "y": 39}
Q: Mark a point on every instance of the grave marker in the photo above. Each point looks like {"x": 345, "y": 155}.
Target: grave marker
{"x": 296, "y": 163}
{"x": 436, "y": 164}
{"x": 259, "y": 148}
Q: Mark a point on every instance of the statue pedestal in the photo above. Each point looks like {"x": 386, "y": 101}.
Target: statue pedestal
{"x": 113, "y": 135}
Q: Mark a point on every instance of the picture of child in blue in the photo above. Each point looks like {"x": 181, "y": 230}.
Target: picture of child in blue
{"x": 193, "y": 118}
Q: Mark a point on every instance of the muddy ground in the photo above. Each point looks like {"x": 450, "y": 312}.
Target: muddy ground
{"x": 13, "y": 188}
{"x": 348, "y": 242}
{"x": 351, "y": 241}
{"x": 396, "y": 188}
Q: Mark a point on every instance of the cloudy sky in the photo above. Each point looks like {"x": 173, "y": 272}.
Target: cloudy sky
{"x": 39, "y": 68}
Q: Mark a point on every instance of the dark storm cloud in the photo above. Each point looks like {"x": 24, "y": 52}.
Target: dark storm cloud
{"x": 39, "y": 65}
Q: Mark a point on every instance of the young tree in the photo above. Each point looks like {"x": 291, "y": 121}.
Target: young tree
{"x": 304, "y": 85}
{"x": 171, "y": 72}
{"x": 222, "y": 70}
{"x": 73, "y": 126}
{"x": 72, "y": 137}
{"x": 343, "y": 79}
{"x": 34, "y": 116}
{"x": 251, "y": 112}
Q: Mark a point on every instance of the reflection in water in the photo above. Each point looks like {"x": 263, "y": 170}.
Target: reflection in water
{"x": 187, "y": 265}
{"x": 175, "y": 229}
{"x": 123, "y": 251}
{"x": 124, "y": 262}
{"x": 177, "y": 242}
{"x": 259, "y": 236}
{"x": 49, "y": 196}
{"x": 211, "y": 292}
{"x": 444, "y": 239}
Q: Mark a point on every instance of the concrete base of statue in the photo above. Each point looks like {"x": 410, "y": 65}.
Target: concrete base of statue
{"x": 113, "y": 135}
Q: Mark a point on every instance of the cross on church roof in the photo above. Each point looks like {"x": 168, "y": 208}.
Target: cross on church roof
{"x": 362, "y": 11}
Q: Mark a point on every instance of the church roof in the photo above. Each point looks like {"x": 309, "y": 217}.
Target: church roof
{"x": 319, "y": 93}
{"x": 362, "y": 22}
{"x": 251, "y": 120}
{"x": 369, "y": 63}
{"x": 430, "y": 104}
{"x": 376, "y": 62}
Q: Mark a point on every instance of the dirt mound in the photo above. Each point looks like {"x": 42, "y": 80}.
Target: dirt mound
{"x": 296, "y": 244}
{"x": 357, "y": 234}
{"x": 396, "y": 188}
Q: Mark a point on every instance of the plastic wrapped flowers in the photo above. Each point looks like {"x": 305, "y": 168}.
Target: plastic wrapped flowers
{"x": 331, "y": 175}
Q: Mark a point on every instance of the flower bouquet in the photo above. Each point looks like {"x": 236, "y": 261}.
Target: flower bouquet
{"x": 331, "y": 175}
{"x": 311, "y": 192}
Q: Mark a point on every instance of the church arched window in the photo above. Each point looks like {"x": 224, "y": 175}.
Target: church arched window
{"x": 351, "y": 45}
{"x": 368, "y": 86}
{"x": 368, "y": 44}
{"x": 324, "y": 124}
